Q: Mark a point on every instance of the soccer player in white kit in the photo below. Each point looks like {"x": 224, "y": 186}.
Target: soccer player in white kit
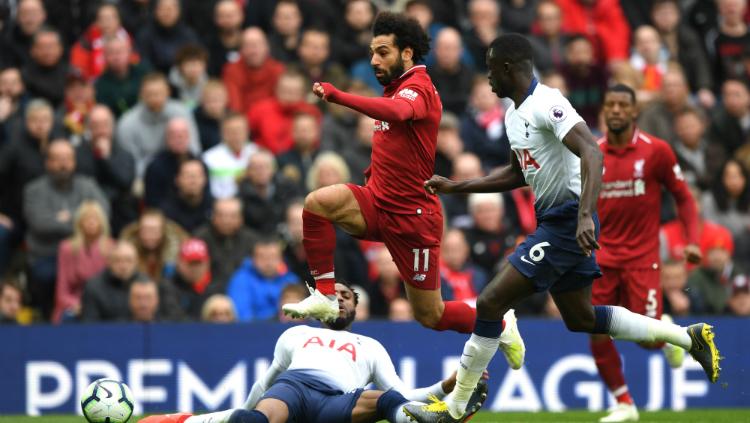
{"x": 319, "y": 375}
{"x": 554, "y": 153}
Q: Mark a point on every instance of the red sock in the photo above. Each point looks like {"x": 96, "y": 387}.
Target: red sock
{"x": 319, "y": 241}
{"x": 610, "y": 369}
{"x": 457, "y": 316}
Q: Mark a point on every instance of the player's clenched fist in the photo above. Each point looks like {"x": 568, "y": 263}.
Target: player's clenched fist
{"x": 586, "y": 235}
{"x": 438, "y": 184}
{"x": 322, "y": 89}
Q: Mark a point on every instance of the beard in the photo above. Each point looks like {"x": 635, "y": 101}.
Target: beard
{"x": 617, "y": 130}
{"x": 61, "y": 178}
{"x": 391, "y": 73}
{"x": 342, "y": 323}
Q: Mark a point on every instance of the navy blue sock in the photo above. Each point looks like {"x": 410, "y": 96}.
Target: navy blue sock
{"x": 248, "y": 416}
{"x": 388, "y": 405}
{"x": 488, "y": 328}
{"x": 603, "y": 316}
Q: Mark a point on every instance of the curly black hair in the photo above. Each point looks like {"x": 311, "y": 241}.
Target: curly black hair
{"x": 406, "y": 32}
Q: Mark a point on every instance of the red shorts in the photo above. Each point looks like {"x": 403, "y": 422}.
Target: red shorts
{"x": 638, "y": 290}
{"x": 412, "y": 239}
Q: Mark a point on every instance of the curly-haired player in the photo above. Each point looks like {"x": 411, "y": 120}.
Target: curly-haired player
{"x": 392, "y": 207}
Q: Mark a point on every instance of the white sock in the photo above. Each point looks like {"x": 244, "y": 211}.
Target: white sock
{"x": 401, "y": 416}
{"x": 477, "y": 354}
{"x": 636, "y": 327}
{"x": 217, "y": 417}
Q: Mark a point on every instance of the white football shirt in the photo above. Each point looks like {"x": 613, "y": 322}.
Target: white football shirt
{"x": 341, "y": 359}
{"x": 536, "y": 130}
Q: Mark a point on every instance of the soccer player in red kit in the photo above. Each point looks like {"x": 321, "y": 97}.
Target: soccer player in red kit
{"x": 636, "y": 167}
{"x": 392, "y": 207}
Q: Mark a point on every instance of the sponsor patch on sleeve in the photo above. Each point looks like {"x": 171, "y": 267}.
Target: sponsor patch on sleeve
{"x": 408, "y": 94}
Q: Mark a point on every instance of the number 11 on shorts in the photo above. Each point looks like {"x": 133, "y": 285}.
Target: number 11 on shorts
{"x": 425, "y": 260}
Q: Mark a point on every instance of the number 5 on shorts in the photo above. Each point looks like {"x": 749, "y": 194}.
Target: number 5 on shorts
{"x": 425, "y": 260}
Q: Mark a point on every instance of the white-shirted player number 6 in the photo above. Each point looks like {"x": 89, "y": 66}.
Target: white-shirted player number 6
{"x": 536, "y": 252}
{"x": 426, "y": 260}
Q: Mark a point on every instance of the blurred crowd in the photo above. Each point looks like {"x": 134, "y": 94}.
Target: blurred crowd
{"x": 155, "y": 154}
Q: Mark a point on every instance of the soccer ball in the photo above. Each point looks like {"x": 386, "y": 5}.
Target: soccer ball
{"x": 107, "y": 401}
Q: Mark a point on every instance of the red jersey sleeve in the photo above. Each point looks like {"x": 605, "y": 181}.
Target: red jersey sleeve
{"x": 416, "y": 97}
{"x": 671, "y": 177}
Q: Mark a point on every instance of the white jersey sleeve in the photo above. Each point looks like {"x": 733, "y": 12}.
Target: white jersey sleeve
{"x": 557, "y": 114}
{"x": 385, "y": 378}
{"x": 282, "y": 357}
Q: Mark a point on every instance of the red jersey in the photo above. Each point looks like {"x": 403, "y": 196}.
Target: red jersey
{"x": 403, "y": 153}
{"x": 629, "y": 203}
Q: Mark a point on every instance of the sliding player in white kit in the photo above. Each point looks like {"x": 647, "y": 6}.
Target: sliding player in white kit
{"x": 555, "y": 154}
{"x": 319, "y": 375}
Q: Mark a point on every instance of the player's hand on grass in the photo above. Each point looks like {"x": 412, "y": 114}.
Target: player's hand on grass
{"x": 693, "y": 254}
{"x": 322, "y": 90}
{"x": 586, "y": 235}
{"x": 438, "y": 184}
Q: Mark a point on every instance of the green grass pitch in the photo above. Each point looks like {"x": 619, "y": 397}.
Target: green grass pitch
{"x": 689, "y": 416}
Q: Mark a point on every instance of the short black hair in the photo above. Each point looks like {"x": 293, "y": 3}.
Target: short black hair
{"x": 622, "y": 88}
{"x": 407, "y": 33}
{"x": 512, "y": 48}
{"x": 348, "y": 284}
{"x": 575, "y": 38}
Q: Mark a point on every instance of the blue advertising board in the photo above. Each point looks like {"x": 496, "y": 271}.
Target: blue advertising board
{"x": 196, "y": 367}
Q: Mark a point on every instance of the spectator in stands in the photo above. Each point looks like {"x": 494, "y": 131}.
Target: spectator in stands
{"x": 354, "y": 34}
{"x": 44, "y": 74}
{"x": 358, "y": 151}
{"x": 674, "y": 277}
{"x": 87, "y": 54}
{"x": 518, "y": 15}
{"x": 730, "y": 123}
{"x": 256, "y": 286}
{"x": 135, "y": 14}
{"x": 728, "y": 203}
{"x": 49, "y": 203}
{"x": 141, "y": 129}
{"x": 162, "y": 170}
{"x": 157, "y": 241}
{"x": 13, "y": 99}
{"x": 161, "y": 38}
{"x": 188, "y": 76}
{"x": 265, "y": 195}
{"x": 490, "y": 237}
{"x": 105, "y": 296}
{"x": 143, "y": 301}
{"x": 11, "y": 296}
{"x": 483, "y": 125}
{"x": 585, "y": 77}
{"x": 227, "y": 161}
{"x": 313, "y": 58}
{"x": 192, "y": 282}
{"x": 340, "y": 123}
{"x": 286, "y": 29}
{"x": 387, "y": 287}
{"x": 451, "y": 77}
{"x": 77, "y": 103}
{"x": 328, "y": 169}
{"x": 292, "y": 293}
{"x": 484, "y": 19}
{"x": 210, "y": 112}
{"x": 460, "y": 278}
{"x": 719, "y": 286}
{"x": 684, "y": 45}
{"x": 399, "y": 310}
{"x": 699, "y": 157}
{"x": 449, "y": 144}
{"x": 17, "y": 37}
{"x": 189, "y": 206}
{"x": 557, "y": 81}
{"x": 650, "y": 59}
{"x": 271, "y": 119}
{"x": 228, "y": 240}
{"x": 218, "y": 308}
{"x": 658, "y": 117}
{"x": 224, "y": 42}
{"x": 465, "y": 166}
{"x": 119, "y": 84}
{"x": 603, "y": 22}
{"x": 732, "y": 38}
{"x": 549, "y": 43}
{"x": 113, "y": 168}
{"x": 79, "y": 258}
{"x": 295, "y": 164}
{"x": 22, "y": 160}
{"x": 254, "y": 76}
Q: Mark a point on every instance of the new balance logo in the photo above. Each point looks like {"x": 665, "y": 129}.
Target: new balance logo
{"x": 419, "y": 277}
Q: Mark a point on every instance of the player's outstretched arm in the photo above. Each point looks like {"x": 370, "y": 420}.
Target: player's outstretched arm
{"x": 502, "y": 179}
{"x": 381, "y": 108}
{"x": 580, "y": 141}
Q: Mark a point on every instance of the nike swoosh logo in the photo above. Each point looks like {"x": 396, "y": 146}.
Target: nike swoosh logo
{"x": 525, "y": 260}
